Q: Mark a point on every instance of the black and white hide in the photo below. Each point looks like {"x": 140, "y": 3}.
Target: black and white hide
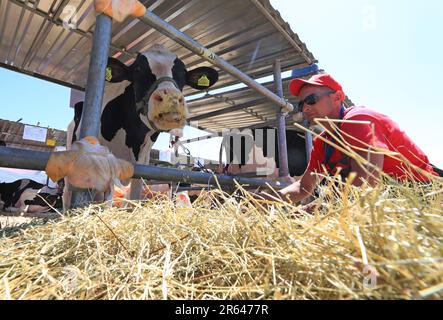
{"x": 28, "y": 196}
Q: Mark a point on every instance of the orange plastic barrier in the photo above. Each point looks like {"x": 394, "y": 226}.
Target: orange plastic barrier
{"x": 120, "y": 9}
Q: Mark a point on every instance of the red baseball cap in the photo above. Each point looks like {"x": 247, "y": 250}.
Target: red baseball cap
{"x": 321, "y": 80}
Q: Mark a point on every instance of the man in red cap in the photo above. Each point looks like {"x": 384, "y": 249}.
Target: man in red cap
{"x": 361, "y": 129}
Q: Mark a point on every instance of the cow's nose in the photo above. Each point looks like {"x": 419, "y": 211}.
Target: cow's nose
{"x": 167, "y": 94}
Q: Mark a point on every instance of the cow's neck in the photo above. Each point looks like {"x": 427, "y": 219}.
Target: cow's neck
{"x": 120, "y": 114}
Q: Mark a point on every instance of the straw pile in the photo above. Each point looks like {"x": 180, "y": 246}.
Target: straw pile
{"x": 382, "y": 243}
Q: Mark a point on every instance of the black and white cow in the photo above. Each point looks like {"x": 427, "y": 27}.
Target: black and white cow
{"x": 140, "y": 101}
{"x": 28, "y": 196}
{"x": 255, "y": 152}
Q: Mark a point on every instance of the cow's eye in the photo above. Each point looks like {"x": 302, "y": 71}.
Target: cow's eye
{"x": 138, "y": 69}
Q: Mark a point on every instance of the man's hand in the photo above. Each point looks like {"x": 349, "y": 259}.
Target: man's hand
{"x": 275, "y": 195}
{"x": 286, "y": 180}
{"x": 310, "y": 207}
{"x": 295, "y": 192}
{"x": 271, "y": 195}
{"x": 300, "y": 189}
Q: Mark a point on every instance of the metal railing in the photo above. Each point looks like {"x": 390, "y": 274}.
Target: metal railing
{"x": 16, "y": 158}
{"x": 37, "y": 160}
{"x": 160, "y": 25}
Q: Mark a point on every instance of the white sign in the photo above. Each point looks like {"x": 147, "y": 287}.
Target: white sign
{"x": 34, "y": 133}
{"x": 165, "y": 156}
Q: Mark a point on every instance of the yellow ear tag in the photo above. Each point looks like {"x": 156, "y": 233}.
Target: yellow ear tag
{"x": 108, "y": 74}
{"x": 51, "y": 142}
{"x": 203, "y": 81}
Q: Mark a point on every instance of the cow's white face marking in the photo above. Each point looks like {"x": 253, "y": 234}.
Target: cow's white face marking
{"x": 160, "y": 61}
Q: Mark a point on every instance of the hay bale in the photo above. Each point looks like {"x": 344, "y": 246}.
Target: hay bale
{"x": 382, "y": 243}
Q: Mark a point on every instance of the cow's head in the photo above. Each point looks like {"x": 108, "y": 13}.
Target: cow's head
{"x": 158, "y": 78}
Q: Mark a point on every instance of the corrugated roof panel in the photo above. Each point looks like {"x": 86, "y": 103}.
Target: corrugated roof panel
{"x": 235, "y": 30}
{"x": 36, "y": 38}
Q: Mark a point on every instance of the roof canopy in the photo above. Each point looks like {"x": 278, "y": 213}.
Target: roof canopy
{"x": 35, "y": 38}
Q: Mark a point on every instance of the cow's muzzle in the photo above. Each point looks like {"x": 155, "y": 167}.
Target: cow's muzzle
{"x": 143, "y": 105}
{"x": 164, "y": 106}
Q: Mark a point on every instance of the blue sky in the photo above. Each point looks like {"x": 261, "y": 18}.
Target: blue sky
{"x": 386, "y": 54}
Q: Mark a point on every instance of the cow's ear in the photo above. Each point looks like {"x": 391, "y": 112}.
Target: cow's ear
{"x": 117, "y": 71}
{"x": 201, "y": 78}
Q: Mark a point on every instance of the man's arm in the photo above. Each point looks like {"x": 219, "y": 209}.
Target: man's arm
{"x": 370, "y": 173}
{"x": 363, "y": 135}
{"x": 301, "y": 189}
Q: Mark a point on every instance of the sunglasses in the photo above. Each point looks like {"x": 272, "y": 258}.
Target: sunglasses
{"x": 312, "y": 99}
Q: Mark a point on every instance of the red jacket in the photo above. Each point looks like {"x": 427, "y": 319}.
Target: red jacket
{"x": 383, "y": 133}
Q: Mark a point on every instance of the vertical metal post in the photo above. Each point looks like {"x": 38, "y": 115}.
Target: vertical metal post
{"x": 90, "y": 123}
{"x": 308, "y": 138}
{"x": 281, "y": 130}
